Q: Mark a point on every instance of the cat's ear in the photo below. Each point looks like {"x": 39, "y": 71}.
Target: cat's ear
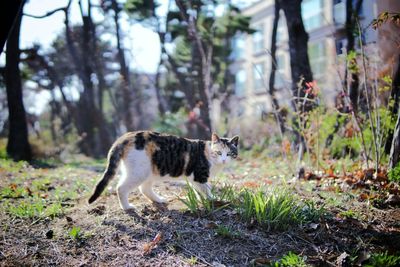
{"x": 234, "y": 140}
{"x": 214, "y": 138}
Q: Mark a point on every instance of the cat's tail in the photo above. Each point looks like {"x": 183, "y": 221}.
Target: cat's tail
{"x": 114, "y": 157}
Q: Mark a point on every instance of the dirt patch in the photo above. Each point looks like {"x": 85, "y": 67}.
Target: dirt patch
{"x": 168, "y": 235}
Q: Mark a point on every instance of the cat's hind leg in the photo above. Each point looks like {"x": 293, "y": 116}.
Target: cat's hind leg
{"x": 146, "y": 188}
{"x": 125, "y": 185}
{"x": 135, "y": 170}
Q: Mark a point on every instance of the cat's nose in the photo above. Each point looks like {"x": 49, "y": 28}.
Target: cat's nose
{"x": 223, "y": 161}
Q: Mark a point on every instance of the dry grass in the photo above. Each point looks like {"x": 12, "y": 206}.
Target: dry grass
{"x": 104, "y": 235}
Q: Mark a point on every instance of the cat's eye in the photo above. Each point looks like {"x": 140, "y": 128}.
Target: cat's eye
{"x": 219, "y": 153}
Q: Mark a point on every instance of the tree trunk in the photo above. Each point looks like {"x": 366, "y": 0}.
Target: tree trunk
{"x": 9, "y": 12}
{"x": 271, "y": 85}
{"x": 90, "y": 123}
{"x": 299, "y": 62}
{"x": 98, "y": 63}
{"x": 127, "y": 89}
{"x": 351, "y": 21}
{"x": 162, "y": 102}
{"x": 18, "y": 146}
{"x": 393, "y": 135}
{"x": 203, "y": 54}
{"x": 395, "y": 149}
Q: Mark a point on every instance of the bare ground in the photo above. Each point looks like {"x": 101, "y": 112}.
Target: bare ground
{"x": 111, "y": 237}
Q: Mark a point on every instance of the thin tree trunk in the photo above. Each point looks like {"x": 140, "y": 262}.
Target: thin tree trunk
{"x": 395, "y": 149}
{"x": 299, "y": 61}
{"x": 127, "y": 89}
{"x": 395, "y": 95}
{"x": 271, "y": 85}
{"x": 351, "y": 20}
{"x": 97, "y": 60}
{"x": 18, "y": 146}
{"x": 162, "y": 102}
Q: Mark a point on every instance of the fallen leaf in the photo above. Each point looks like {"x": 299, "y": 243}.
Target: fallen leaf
{"x": 211, "y": 225}
{"x": 260, "y": 261}
{"x": 363, "y": 197}
{"x": 148, "y": 247}
{"x": 13, "y": 187}
{"x": 342, "y": 260}
{"x": 220, "y": 203}
{"x": 251, "y": 184}
{"x": 313, "y": 226}
{"x": 393, "y": 200}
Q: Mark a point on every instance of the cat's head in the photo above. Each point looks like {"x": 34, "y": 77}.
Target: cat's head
{"x": 223, "y": 150}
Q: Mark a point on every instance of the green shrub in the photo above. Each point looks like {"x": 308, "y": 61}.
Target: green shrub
{"x": 394, "y": 174}
{"x": 172, "y": 123}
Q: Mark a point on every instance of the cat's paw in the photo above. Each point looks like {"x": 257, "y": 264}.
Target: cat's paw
{"x": 160, "y": 200}
{"x": 128, "y": 207}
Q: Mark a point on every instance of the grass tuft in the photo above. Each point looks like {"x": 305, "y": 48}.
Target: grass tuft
{"x": 383, "y": 259}
{"x": 291, "y": 260}
{"x": 226, "y": 232}
{"x": 275, "y": 210}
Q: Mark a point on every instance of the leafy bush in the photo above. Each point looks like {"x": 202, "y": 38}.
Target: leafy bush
{"x": 172, "y": 123}
{"x": 394, "y": 174}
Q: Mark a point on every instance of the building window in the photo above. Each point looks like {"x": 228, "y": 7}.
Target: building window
{"x": 340, "y": 45}
{"x": 317, "y": 55}
{"x": 281, "y": 31}
{"x": 280, "y": 71}
{"x": 312, "y": 12}
{"x": 240, "y": 83}
{"x": 339, "y": 12}
{"x": 238, "y": 44}
{"x": 258, "y": 78}
{"x": 258, "y": 39}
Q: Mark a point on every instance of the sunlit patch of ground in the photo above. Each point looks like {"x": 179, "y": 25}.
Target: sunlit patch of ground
{"x": 45, "y": 221}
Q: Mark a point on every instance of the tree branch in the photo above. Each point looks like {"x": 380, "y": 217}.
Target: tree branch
{"x": 48, "y": 14}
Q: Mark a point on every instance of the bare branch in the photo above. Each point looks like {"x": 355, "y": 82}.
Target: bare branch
{"x": 48, "y": 14}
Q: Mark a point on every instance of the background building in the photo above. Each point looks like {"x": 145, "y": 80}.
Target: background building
{"x": 324, "y": 21}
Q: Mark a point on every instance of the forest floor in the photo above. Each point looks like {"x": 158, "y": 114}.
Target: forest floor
{"x": 45, "y": 219}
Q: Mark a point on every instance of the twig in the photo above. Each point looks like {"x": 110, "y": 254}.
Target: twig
{"x": 368, "y": 100}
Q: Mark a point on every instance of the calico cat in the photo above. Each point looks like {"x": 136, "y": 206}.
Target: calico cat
{"x": 146, "y": 157}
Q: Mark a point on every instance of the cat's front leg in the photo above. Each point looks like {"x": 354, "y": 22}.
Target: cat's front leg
{"x": 203, "y": 188}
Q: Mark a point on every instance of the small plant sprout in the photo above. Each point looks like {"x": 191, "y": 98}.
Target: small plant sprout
{"x": 75, "y": 233}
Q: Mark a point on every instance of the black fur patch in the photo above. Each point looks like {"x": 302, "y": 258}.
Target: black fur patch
{"x": 140, "y": 142}
{"x": 170, "y": 157}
